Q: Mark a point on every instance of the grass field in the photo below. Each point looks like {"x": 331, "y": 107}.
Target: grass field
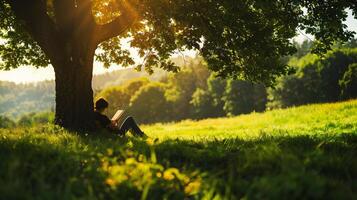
{"x": 308, "y": 152}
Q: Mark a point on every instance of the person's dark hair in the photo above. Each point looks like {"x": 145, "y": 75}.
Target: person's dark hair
{"x": 101, "y": 103}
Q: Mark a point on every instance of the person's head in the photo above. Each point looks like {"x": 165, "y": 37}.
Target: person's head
{"x": 101, "y": 104}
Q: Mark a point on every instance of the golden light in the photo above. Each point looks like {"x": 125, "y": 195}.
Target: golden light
{"x": 105, "y": 11}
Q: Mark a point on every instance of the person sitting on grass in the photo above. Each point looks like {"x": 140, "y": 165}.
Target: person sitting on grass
{"x": 121, "y": 128}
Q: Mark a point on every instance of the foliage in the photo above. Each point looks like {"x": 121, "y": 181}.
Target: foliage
{"x": 203, "y": 105}
{"x": 195, "y": 93}
{"x": 119, "y": 96}
{"x": 182, "y": 85}
{"x": 304, "y": 152}
{"x": 17, "y": 100}
{"x": 20, "y": 99}
{"x": 319, "y": 22}
{"x": 32, "y": 119}
{"x": 6, "y": 122}
{"x": 119, "y": 77}
{"x": 348, "y": 83}
{"x": 208, "y": 103}
{"x": 150, "y": 105}
{"x": 242, "y": 97}
{"x": 228, "y": 97}
{"x": 303, "y": 48}
{"x": 238, "y": 39}
{"x": 316, "y": 79}
{"x": 242, "y": 39}
{"x": 175, "y": 100}
{"x": 16, "y": 45}
{"x": 216, "y": 87}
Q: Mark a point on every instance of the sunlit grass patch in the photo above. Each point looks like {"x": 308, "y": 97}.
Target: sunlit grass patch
{"x": 304, "y": 119}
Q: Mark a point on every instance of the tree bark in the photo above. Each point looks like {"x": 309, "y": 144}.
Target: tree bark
{"x": 74, "y": 94}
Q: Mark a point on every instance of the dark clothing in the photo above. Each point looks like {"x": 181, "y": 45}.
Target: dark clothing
{"x": 101, "y": 120}
{"x": 128, "y": 124}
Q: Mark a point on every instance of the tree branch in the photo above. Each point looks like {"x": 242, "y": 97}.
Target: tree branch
{"x": 64, "y": 13}
{"x": 37, "y": 23}
{"x": 118, "y": 26}
{"x": 84, "y": 23}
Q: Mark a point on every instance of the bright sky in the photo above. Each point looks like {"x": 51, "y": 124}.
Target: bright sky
{"x": 27, "y": 74}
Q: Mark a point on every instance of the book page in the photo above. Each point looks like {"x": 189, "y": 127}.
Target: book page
{"x": 118, "y": 115}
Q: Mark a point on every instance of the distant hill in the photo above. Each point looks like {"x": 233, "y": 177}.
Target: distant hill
{"x": 119, "y": 76}
{"x": 18, "y": 99}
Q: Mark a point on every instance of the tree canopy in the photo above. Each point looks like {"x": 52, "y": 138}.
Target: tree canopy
{"x": 238, "y": 38}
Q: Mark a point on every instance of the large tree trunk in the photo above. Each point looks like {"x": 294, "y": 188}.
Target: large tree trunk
{"x": 74, "y": 94}
{"x": 69, "y": 39}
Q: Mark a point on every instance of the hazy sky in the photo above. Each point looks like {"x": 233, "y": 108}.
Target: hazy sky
{"x": 28, "y": 74}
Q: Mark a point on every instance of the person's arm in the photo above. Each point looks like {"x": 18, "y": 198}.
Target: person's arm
{"x": 113, "y": 125}
{"x": 106, "y": 122}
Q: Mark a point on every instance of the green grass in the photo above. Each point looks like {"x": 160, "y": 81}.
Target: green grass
{"x": 308, "y": 152}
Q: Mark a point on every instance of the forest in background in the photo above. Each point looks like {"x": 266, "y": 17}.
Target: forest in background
{"x": 195, "y": 92}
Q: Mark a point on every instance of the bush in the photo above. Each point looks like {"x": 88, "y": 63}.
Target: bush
{"x": 348, "y": 83}
{"x": 6, "y": 122}
{"x": 32, "y": 119}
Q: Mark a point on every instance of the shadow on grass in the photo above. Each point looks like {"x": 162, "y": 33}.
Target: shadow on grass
{"x": 284, "y": 167}
{"x": 43, "y": 171}
{"x": 291, "y": 167}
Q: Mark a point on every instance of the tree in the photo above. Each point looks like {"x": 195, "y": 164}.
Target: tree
{"x": 65, "y": 34}
{"x": 242, "y": 97}
{"x": 216, "y": 88}
{"x": 241, "y": 39}
{"x": 207, "y": 101}
{"x": 181, "y": 87}
{"x": 202, "y": 102}
{"x": 119, "y": 96}
{"x": 317, "y": 79}
{"x": 149, "y": 104}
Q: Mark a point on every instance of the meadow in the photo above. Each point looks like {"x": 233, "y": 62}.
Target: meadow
{"x": 306, "y": 152}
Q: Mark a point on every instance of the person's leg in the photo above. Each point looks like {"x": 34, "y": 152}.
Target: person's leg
{"x": 129, "y": 123}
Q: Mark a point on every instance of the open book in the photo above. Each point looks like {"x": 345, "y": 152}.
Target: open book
{"x": 119, "y": 117}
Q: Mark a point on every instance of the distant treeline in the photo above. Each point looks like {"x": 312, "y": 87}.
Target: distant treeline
{"x": 195, "y": 93}
{"x": 19, "y": 99}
